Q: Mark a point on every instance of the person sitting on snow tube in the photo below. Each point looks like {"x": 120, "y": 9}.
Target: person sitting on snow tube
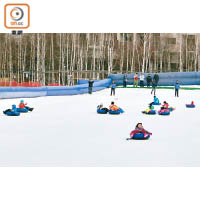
{"x": 101, "y": 109}
{"x": 156, "y": 101}
{"x": 23, "y": 107}
{"x": 190, "y": 105}
{"x": 165, "y": 105}
{"x": 150, "y": 110}
{"x": 139, "y": 132}
{"x": 113, "y": 109}
{"x": 164, "y": 110}
{"x": 12, "y": 112}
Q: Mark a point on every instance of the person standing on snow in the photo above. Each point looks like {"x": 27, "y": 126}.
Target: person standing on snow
{"x": 113, "y": 86}
{"x": 153, "y": 87}
{"x": 149, "y": 80}
{"x": 125, "y": 80}
{"x": 135, "y": 80}
{"x": 90, "y": 85}
{"x": 141, "y": 79}
{"x": 177, "y": 86}
{"x": 156, "y": 78}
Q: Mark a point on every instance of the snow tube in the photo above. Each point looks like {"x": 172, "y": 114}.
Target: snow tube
{"x": 171, "y": 109}
{"x": 152, "y": 112}
{"x": 164, "y": 113}
{"x": 116, "y": 112}
{"x": 24, "y": 110}
{"x": 190, "y": 106}
{"x": 156, "y": 104}
{"x": 100, "y": 111}
{"x": 140, "y": 136}
{"x": 12, "y": 113}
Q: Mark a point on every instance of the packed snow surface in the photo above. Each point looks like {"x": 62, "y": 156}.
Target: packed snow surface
{"x": 67, "y": 131}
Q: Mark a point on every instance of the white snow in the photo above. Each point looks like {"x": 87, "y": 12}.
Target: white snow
{"x": 66, "y": 131}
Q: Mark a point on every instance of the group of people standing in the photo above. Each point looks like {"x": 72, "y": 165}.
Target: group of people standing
{"x": 151, "y": 81}
{"x": 139, "y": 79}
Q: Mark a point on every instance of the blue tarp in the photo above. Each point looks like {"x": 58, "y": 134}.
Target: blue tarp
{"x": 23, "y": 92}
{"x": 166, "y": 79}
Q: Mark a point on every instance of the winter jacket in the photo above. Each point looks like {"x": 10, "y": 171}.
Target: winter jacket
{"x": 113, "y": 85}
{"x": 149, "y": 79}
{"x": 135, "y": 77}
{"x": 156, "y": 100}
{"x": 142, "y": 77}
{"x": 22, "y": 105}
{"x": 166, "y": 105}
{"x": 177, "y": 86}
{"x": 91, "y": 83}
{"x": 113, "y": 107}
{"x": 156, "y": 78}
{"x": 139, "y": 130}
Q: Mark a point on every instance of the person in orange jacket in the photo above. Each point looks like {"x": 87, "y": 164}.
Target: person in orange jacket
{"x": 22, "y": 104}
{"x": 113, "y": 107}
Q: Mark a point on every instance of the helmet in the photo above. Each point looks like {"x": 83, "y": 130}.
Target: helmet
{"x": 22, "y": 101}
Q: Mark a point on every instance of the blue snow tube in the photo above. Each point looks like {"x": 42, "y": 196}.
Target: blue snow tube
{"x": 152, "y": 112}
{"x": 164, "y": 113}
{"x": 190, "y": 106}
{"x": 171, "y": 109}
{"x": 101, "y": 111}
{"x": 140, "y": 136}
{"x": 156, "y": 104}
{"x": 23, "y": 110}
{"x": 12, "y": 113}
{"x": 116, "y": 112}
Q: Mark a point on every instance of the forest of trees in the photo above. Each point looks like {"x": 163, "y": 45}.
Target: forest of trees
{"x": 57, "y": 58}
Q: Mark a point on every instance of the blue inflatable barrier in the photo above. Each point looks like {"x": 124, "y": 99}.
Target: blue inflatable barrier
{"x": 101, "y": 111}
{"x": 140, "y": 136}
{"x": 165, "y": 79}
{"x": 29, "y": 92}
{"x": 22, "y": 92}
{"x": 190, "y": 106}
{"x": 12, "y": 113}
{"x": 22, "y": 110}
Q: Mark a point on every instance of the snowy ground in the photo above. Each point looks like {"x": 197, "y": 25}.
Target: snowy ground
{"x": 66, "y": 131}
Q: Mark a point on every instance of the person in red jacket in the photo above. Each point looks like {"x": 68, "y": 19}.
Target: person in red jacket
{"x": 139, "y": 129}
{"x": 192, "y": 103}
{"x": 165, "y": 105}
{"x": 135, "y": 81}
{"x": 22, "y": 104}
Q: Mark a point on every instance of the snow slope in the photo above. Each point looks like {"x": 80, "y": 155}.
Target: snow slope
{"x": 66, "y": 131}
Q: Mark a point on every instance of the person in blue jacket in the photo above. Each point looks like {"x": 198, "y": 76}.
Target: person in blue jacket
{"x": 14, "y": 109}
{"x": 156, "y": 100}
{"x": 177, "y": 87}
{"x": 113, "y": 86}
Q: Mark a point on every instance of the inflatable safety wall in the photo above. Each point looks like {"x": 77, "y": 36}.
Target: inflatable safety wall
{"x": 166, "y": 79}
{"x": 23, "y": 92}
